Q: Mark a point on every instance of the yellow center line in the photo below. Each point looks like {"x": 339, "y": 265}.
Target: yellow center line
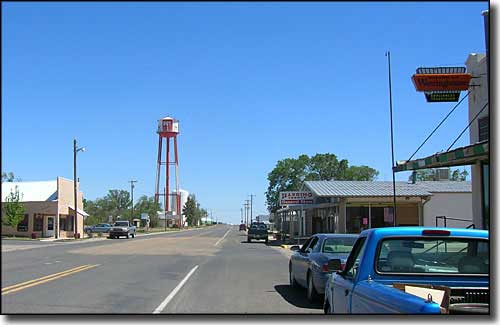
{"x": 32, "y": 283}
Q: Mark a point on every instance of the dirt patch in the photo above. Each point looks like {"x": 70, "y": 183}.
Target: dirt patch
{"x": 183, "y": 246}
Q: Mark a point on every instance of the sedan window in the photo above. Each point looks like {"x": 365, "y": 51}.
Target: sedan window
{"x": 338, "y": 245}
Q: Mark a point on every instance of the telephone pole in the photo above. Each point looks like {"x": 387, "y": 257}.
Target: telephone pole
{"x": 132, "y": 181}
{"x": 241, "y": 215}
{"x": 251, "y": 207}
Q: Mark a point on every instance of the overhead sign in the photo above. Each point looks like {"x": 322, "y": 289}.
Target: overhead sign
{"x": 296, "y": 197}
{"x": 144, "y": 216}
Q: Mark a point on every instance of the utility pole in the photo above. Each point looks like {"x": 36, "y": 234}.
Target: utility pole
{"x": 132, "y": 181}
{"x": 246, "y": 212}
{"x": 241, "y": 215}
{"x": 388, "y": 54}
{"x": 247, "y": 207}
{"x": 75, "y": 223}
{"x": 251, "y": 207}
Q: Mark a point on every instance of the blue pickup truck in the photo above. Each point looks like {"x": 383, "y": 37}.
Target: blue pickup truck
{"x": 453, "y": 261}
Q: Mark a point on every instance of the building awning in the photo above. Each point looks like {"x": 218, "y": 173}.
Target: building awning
{"x": 81, "y": 212}
{"x": 467, "y": 155}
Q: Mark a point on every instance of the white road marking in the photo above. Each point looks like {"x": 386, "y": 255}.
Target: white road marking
{"x": 227, "y": 232}
{"x": 165, "y": 302}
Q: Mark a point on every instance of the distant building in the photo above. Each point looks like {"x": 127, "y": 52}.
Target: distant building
{"x": 49, "y": 208}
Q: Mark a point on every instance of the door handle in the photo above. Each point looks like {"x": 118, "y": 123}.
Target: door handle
{"x": 346, "y": 292}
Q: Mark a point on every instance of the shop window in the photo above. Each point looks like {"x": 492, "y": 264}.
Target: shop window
{"x": 70, "y": 223}
{"x": 38, "y": 224}
{"x": 63, "y": 223}
{"x": 483, "y": 125}
{"x": 382, "y": 217}
{"x": 357, "y": 219}
{"x": 23, "y": 225}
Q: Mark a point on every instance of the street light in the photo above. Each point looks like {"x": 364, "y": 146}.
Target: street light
{"x": 75, "y": 151}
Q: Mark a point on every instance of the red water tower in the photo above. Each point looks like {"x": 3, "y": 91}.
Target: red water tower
{"x": 168, "y": 128}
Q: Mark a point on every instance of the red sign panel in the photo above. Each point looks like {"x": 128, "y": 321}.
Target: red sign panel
{"x": 441, "y": 82}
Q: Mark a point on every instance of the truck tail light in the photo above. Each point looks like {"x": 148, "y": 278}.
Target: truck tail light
{"x": 435, "y": 232}
{"x": 342, "y": 266}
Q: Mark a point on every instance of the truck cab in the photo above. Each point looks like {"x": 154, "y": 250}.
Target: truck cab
{"x": 382, "y": 258}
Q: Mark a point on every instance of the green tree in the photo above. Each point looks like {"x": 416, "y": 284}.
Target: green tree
{"x": 190, "y": 209}
{"x": 147, "y": 205}
{"x": 13, "y": 209}
{"x": 289, "y": 174}
{"x": 9, "y": 177}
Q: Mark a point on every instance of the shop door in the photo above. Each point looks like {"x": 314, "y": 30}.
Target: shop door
{"x": 50, "y": 227}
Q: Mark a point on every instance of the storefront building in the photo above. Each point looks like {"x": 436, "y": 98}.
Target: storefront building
{"x": 49, "y": 209}
{"x": 353, "y": 206}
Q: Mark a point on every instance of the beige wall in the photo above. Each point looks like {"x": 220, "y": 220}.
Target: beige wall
{"x": 66, "y": 200}
{"x": 45, "y": 208}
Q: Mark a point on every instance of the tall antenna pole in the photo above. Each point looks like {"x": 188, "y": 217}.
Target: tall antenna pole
{"x": 388, "y": 54}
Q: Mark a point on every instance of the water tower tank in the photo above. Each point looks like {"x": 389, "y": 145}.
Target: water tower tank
{"x": 168, "y": 127}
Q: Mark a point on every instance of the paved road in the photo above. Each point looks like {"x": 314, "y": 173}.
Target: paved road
{"x": 209, "y": 270}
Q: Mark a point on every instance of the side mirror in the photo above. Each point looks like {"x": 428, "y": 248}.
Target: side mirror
{"x": 294, "y": 248}
{"x": 335, "y": 265}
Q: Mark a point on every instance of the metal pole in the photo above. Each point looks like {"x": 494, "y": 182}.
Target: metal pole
{"x": 251, "y": 207}
{"x": 388, "y": 54}
{"x": 165, "y": 210}
{"x": 74, "y": 189}
{"x": 241, "y": 215}
{"x": 132, "y": 194}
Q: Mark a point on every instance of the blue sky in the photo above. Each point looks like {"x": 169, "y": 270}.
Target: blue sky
{"x": 251, "y": 83}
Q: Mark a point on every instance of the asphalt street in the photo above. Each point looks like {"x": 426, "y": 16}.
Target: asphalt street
{"x": 210, "y": 270}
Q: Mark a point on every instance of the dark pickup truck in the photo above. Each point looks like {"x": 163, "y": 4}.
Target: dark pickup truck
{"x": 257, "y": 230}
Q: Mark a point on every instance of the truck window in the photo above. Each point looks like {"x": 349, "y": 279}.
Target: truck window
{"x": 352, "y": 264}
{"x": 433, "y": 255}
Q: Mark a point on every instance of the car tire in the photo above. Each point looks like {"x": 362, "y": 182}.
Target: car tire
{"x": 133, "y": 235}
{"x": 312, "y": 294}
{"x": 326, "y": 307}
{"x": 293, "y": 282}
{"x": 267, "y": 240}
{"x": 249, "y": 240}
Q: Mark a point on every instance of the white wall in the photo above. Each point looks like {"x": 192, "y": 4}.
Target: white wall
{"x": 453, "y": 205}
{"x": 476, "y": 65}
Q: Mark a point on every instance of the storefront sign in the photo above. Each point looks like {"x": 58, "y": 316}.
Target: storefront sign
{"x": 365, "y": 221}
{"x": 296, "y": 197}
{"x": 441, "y": 82}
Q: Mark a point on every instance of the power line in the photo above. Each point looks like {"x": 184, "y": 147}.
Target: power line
{"x": 482, "y": 109}
{"x": 437, "y": 127}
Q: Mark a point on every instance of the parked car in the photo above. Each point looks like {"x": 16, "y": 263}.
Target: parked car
{"x": 99, "y": 228}
{"x": 448, "y": 259}
{"x": 122, "y": 228}
{"x": 258, "y": 230}
{"x": 243, "y": 227}
{"x": 308, "y": 266}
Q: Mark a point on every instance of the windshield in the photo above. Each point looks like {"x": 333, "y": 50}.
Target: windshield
{"x": 258, "y": 226}
{"x": 429, "y": 255}
{"x": 338, "y": 245}
{"x": 121, "y": 223}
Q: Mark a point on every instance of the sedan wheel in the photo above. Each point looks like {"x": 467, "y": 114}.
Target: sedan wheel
{"x": 293, "y": 282}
